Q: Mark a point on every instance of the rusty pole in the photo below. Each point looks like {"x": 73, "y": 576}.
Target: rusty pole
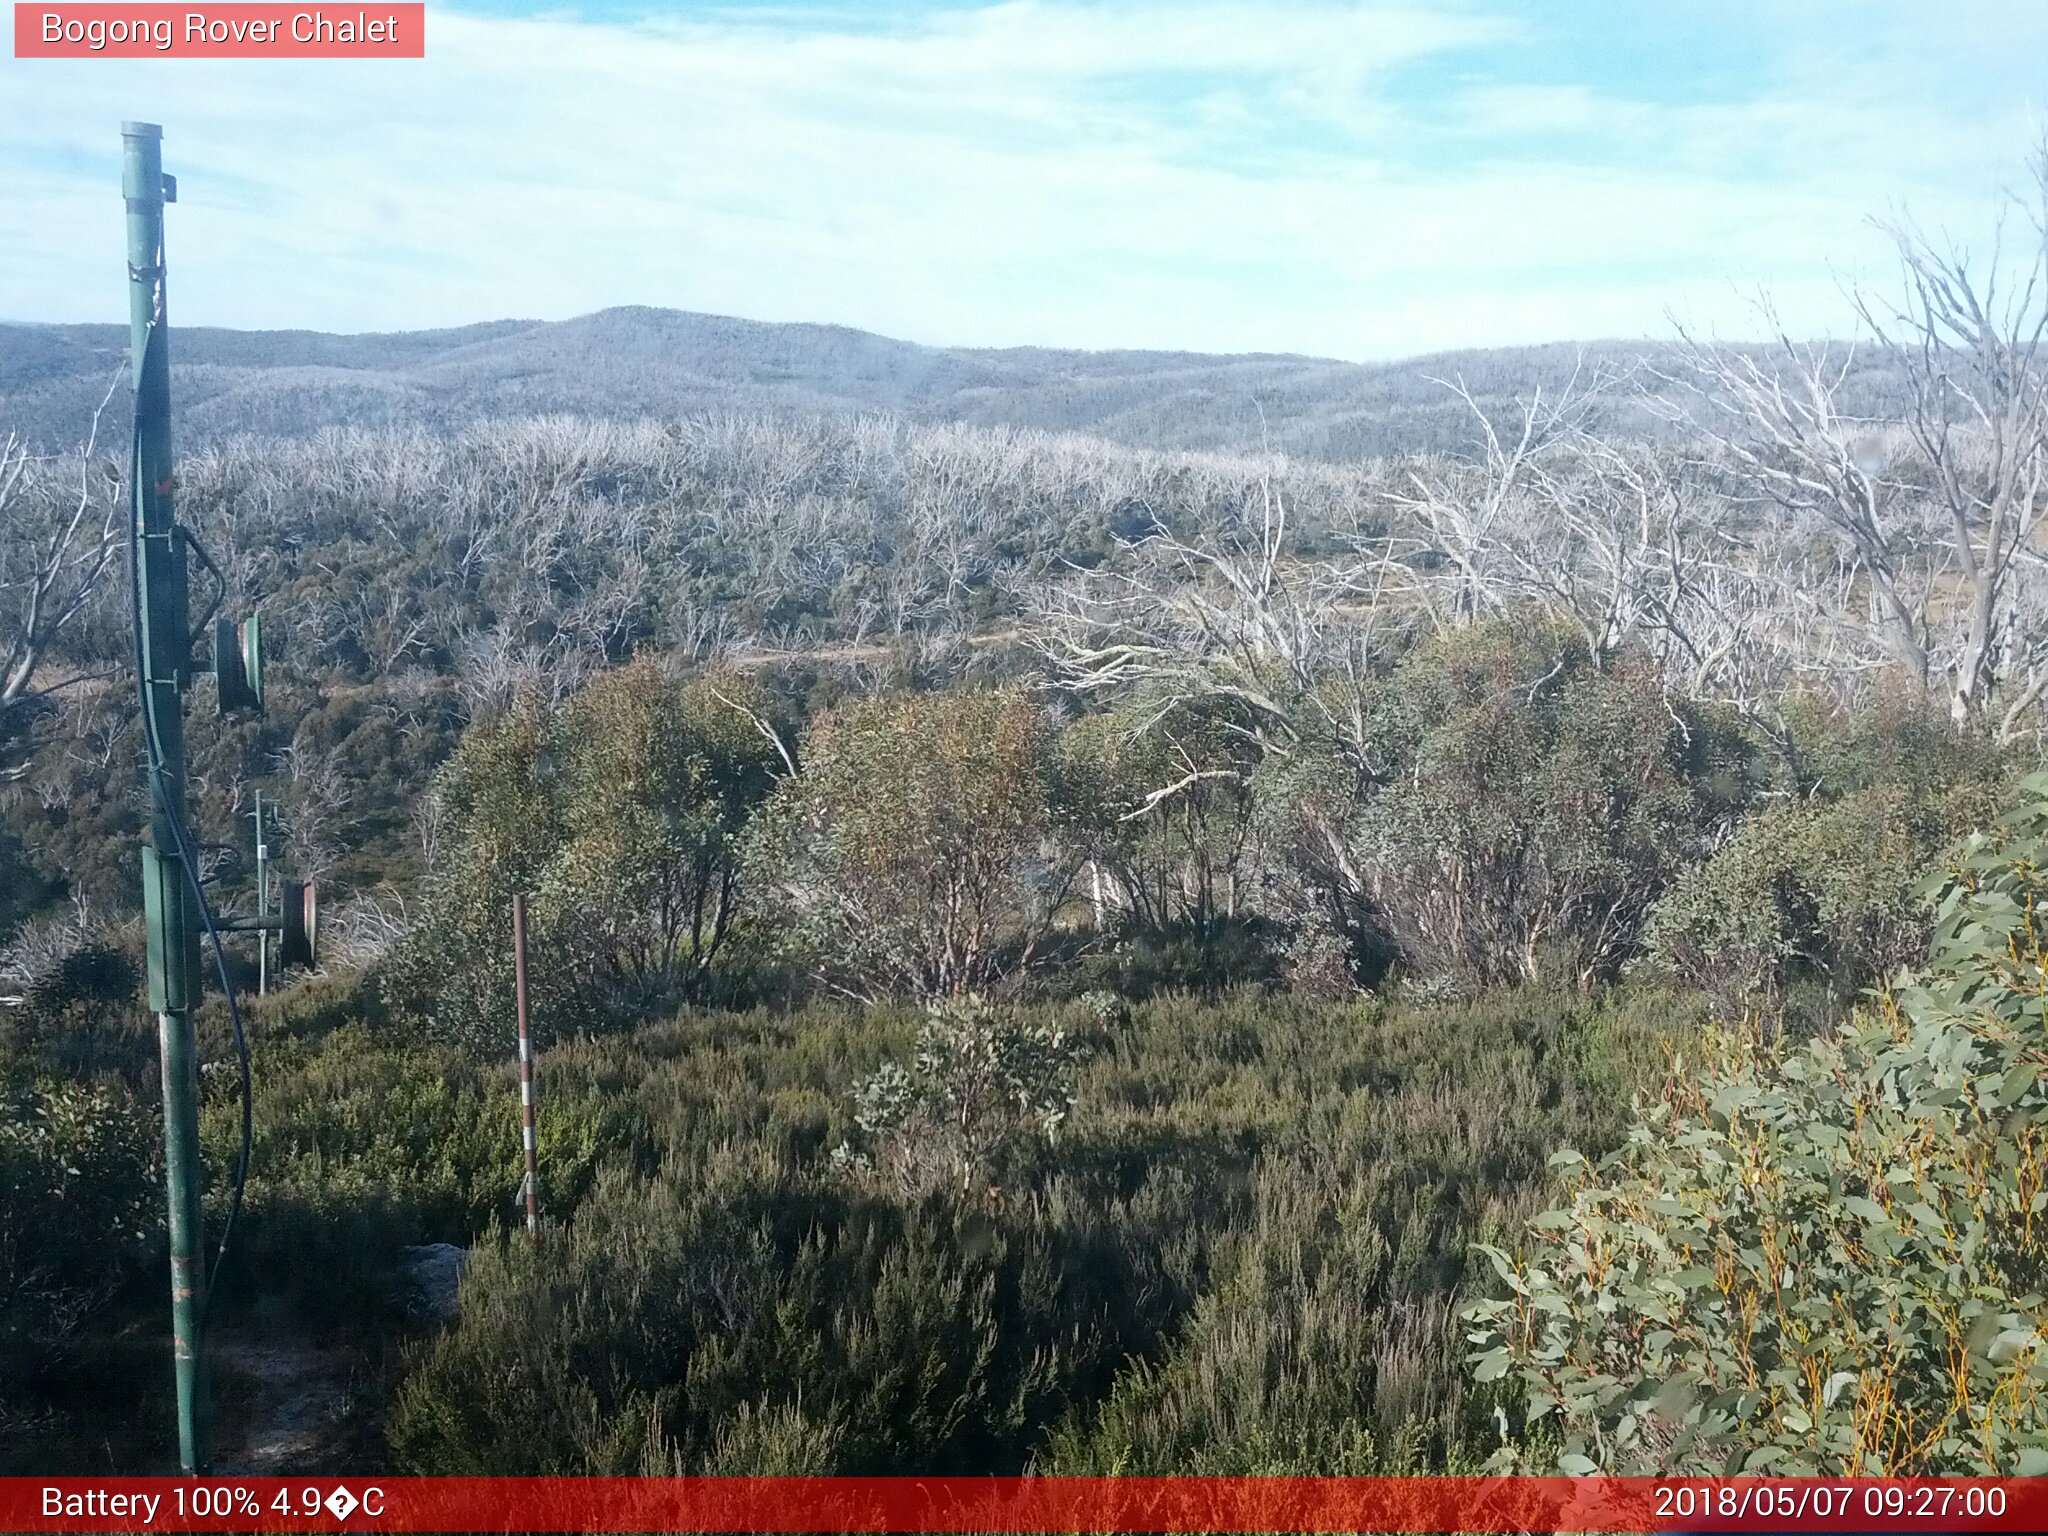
{"x": 525, "y": 1069}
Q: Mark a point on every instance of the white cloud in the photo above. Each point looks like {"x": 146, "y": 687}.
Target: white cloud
{"x": 1208, "y": 175}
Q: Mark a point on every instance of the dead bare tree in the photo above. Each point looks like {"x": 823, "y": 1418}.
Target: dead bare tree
{"x": 310, "y": 808}
{"x": 1471, "y": 515}
{"x": 1608, "y": 543}
{"x": 1978, "y": 417}
{"x": 389, "y": 624}
{"x": 37, "y": 948}
{"x": 1937, "y": 511}
{"x": 363, "y": 930}
{"x": 1777, "y": 427}
{"x": 59, "y": 534}
{"x": 1240, "y": 619}
{"x": 1239, "y": 627}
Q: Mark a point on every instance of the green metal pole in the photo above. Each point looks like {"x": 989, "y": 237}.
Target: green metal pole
{"x": 166, "y": 667}
{"x": 262, "y": 902}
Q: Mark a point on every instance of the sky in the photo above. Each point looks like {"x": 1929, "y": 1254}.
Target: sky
{"x": 1363, "y": 181}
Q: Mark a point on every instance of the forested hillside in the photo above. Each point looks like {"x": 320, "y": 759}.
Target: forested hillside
{"x": 628, "y": 363}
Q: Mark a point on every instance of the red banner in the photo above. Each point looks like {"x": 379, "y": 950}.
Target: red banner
{"x": 1175, "y": 1504}
{"x": 234, "y": 31}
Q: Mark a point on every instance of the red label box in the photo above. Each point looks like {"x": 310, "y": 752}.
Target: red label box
{"x": 373, "y": 30}
{"x": 928, "y": 1506}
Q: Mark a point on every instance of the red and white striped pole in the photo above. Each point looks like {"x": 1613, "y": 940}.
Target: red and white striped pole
{"x": 525, "y": 1069}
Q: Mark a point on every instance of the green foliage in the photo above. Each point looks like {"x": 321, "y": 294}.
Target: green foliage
{"x": 982, "y": 1082}
{"x": 910, "y": 856}
{"x": 497, "y": 827}
{"x": 1244, "y": 1253}
{"x": 19, "y": 886}
{"x": 81, "y": 1206}
{"x": 666, "y": 1330}
{"x": 1159, "y": 799}
{"x": 1319, "y": 961}
{"x": 1527, "y": 807}
{"x": 1820, "y": 889}
{"x": 367, "y": 1142}
{"x": 657, "y": 782}
{"x": 1307, "y": 1356}
{"x": 619, "y": 814}
{"x": 1216, "y": 957}
{"x": 1897, "y": 737}
{"x": 77, "y": 1186}
{"x": 1830, "y": 1260}
{"x": 81, "y": 1014}
{"x": 350, "y": 1117}
{"x": 1823, "y": 889}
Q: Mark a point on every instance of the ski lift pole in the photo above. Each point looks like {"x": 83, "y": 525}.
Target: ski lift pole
{"x": 164, "y": 646}
{"x": 532, "y": 1185}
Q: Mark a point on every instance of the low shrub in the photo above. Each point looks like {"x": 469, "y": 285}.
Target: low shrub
{"x": 1819, "y": 892}
{"x": 81, "y": 1213}
{"x": 1825, "y": 1259}
{"x": 983, "y": 1084}
{"x": 1244, "y": 1253}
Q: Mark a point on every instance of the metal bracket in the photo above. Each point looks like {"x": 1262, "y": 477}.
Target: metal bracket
{"x": 238, "y": 663}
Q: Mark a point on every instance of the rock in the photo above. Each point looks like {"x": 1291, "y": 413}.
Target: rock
{"x": 430, "y": 1280}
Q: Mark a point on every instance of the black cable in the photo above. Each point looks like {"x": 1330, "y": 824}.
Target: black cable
{"x": 153, "y": 750}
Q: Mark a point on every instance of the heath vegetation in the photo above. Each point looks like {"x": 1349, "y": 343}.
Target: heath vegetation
{"x": 1517, "y": 947}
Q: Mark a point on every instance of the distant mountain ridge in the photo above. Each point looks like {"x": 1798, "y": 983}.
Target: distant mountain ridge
{"x": 638, "y": 362}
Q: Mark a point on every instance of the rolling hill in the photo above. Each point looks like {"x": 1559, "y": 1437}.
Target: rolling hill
{"x": 637, "y": 361}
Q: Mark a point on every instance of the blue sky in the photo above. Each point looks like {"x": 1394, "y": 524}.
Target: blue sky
{"x": 1360, "y": 181}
